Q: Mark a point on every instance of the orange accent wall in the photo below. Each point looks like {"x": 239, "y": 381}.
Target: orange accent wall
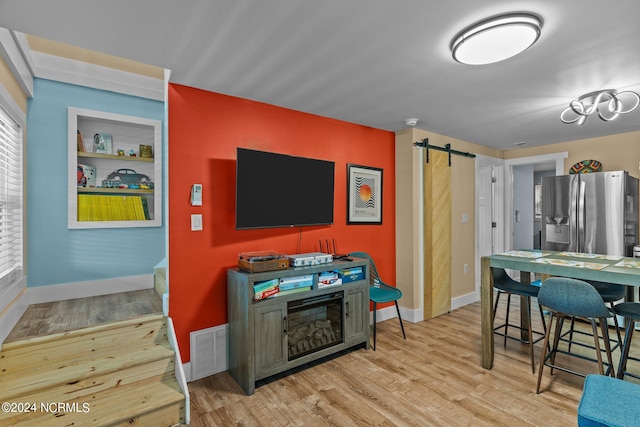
{"x": 204, "y": 130}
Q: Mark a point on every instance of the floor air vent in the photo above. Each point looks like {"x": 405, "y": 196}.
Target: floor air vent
{"x": 208, "y": 352}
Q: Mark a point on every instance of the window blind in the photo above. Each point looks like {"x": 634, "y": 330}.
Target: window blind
{"x": 11, "y": 201}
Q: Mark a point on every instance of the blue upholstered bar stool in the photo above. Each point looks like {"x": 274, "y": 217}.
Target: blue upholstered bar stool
{"x": 506, "y": 285}
{"x": 610, "y": 293}
{"x": 631, "y": 312}
{"x": 568, "y": 298}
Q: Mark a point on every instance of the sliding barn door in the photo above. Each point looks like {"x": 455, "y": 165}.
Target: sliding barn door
{"x": 437, "y": 235}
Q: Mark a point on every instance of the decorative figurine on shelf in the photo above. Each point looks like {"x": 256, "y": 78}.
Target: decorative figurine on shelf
{"x": 120, "y": 152}
{"x": 132, "y": 153}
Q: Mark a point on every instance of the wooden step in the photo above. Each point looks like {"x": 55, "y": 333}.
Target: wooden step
{"x": 59, "y": 350}
{"x": 23, "y": 382}
{"x": 147, "y": 404}
{"x": 117, "y": 374}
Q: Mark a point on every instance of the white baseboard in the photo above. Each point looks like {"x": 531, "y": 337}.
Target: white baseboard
{"x": 417, "y": 315}
{"x": 463, "y": 300}
{"x": 14, "y": 305}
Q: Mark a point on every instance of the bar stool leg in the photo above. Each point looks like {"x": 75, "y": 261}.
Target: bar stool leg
{"x": 622, "y": 366}
{"x": 543, "y": 354}
{"x": 374, "y": 326}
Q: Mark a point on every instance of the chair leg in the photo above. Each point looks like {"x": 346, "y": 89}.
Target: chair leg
{"x": 530, "y": 331}
{"x": 543, "y": 354}
{"x": 544, "y": 324}
{"x": 624, "y": 354}
{"x": 374, "y": 325}
{"x": 573, "y": 322}
{"x": 556, "y": 338}
{"x": 400, "y": 318}
{"x": 617, "y": 326}
{"x": 506, "y": 323}
{"x": 607, "y": 346}
{"x": 596, "y": 341}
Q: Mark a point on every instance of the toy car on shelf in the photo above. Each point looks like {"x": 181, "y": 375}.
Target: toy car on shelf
{"x": 128, "y": 176}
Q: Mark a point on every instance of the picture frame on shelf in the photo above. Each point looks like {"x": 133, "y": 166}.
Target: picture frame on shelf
{"x": 364, "y": 194}
{"x": 146, "y": 151}
{"x": 102, "y": 143}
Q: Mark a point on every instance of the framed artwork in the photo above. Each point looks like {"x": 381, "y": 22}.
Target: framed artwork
{"x": 364, "y": 195}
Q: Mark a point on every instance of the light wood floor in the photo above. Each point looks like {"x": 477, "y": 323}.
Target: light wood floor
{"x": 61, "y": 316}
{"x": 434, "y": 378}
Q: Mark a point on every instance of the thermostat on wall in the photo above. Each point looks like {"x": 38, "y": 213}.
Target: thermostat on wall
{"x": 196, "y": 195}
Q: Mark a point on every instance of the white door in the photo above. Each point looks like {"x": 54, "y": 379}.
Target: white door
{"x": 489, "y": 210}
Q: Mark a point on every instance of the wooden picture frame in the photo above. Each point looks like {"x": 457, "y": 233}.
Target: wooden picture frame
{"x": 364, "y": 195}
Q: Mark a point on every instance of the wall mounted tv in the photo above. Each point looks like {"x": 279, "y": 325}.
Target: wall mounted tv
{"x": 278, "y": 190}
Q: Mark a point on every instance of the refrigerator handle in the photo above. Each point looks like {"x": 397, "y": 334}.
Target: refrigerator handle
{"x": 581, "y": 218}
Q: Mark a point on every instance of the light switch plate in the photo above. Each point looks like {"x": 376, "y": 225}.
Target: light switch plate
{"x": 196, "y": 222}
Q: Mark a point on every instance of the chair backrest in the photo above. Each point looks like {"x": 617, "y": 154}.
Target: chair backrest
{"x": 374, "y": 278}
{"x": 500, "y": 275}
{"x": 573, "y": 297}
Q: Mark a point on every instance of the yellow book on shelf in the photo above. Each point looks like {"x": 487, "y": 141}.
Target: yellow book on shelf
{"x": 130, "y": 210}
{"x": 84, "y": 211}
{"x": 118, "y": 208}
{"x": 95, "y": 207}
{"x": 138, "y": 208}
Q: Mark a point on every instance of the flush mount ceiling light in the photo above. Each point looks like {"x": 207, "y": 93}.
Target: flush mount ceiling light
{"x": 608, "y": 103}
{"x": 496, "y": 39}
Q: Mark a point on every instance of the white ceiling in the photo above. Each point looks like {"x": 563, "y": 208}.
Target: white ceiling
{"x": 372, "y": 62}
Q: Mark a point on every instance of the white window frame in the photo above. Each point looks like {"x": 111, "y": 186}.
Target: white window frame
{"x": 11, "y": 202}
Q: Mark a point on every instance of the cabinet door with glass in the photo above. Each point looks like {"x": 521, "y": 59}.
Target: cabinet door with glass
{"x": 115, "y": 170}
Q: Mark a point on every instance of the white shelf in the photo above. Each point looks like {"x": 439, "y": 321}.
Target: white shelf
{"x": 128, "y": 133}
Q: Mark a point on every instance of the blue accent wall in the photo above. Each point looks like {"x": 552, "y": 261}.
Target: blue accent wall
{"x": 56, "y": 254}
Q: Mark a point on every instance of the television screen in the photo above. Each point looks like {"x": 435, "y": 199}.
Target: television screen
{"x": 278, "y": 190}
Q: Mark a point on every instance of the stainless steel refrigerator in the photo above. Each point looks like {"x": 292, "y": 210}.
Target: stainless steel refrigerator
{"x": 594, "y": 213}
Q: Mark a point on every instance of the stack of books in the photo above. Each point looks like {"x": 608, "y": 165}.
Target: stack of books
{"x": 265, "y": 289}
{"x": 350, "y": 274}
{"x": 329, "y": 278}
{"x": 278, "y": 287}
{"x": 95, "y": 207}
{"x": 295, "y": 284}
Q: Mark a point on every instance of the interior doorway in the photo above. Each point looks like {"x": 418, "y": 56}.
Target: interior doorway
{"x": 552, "y": 164}
{"x": 495, "y": 211}
{"x": 527, "y": 203}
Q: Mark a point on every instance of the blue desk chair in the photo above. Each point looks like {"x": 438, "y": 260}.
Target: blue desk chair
{"x": 504, "y": 284}
{"x": 631, "y": 312}
{"x": 569, "y": 298}
{"x": 379, "y": 292}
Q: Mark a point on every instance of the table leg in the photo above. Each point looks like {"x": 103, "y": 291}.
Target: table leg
{"x": 486, "y": 312}
{"x": 525, "y": 278}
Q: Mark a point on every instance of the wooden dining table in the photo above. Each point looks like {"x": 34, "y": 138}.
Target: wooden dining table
{"x": 603, "y": 268}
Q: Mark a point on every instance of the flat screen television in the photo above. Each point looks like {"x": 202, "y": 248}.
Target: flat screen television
{"x": 278, "y": 190}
